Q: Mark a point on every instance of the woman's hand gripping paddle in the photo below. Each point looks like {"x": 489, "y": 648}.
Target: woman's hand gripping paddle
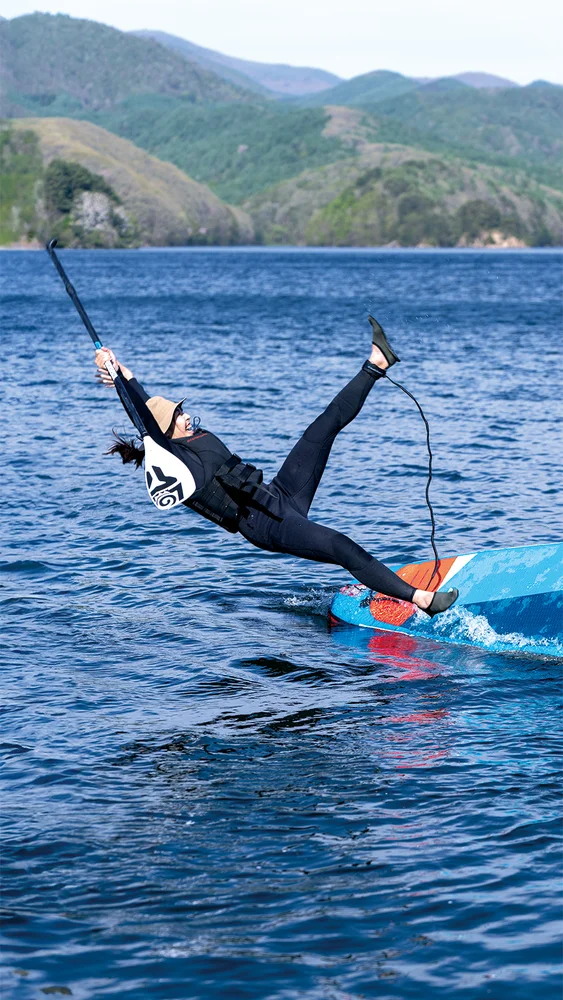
{"x": 169, "y": 482}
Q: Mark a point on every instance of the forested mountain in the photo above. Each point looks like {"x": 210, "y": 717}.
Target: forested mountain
{"x": 487, "y": 81}
{"x": 60, "y": 65}
{"x": 280, "y": 80}
{"x": 523, "y": 125}
{"x": 319, "y": 168}
{"x": 267, "y": 78}
{"x": 242, "y": 149}
{"x": 236, "y": 149}
{"x": 520, "y": 125}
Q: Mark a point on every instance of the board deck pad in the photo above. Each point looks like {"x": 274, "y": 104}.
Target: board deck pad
{"x": 509, "y": 600}
{"x": 420, "y": 576}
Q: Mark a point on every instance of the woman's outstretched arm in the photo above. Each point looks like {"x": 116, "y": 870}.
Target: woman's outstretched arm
{"x": 104, "y": 378}
{"x": 102, "y": 355}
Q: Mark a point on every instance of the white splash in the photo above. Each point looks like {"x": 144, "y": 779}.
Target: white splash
{"x": 314, "y": 600}
{"x": 463, "y": 626}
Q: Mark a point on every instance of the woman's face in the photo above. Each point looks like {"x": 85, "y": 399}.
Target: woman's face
{"x": 181, "y": 424}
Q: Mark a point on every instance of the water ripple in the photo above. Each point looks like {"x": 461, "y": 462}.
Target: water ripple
{"x": 211, "y": 793}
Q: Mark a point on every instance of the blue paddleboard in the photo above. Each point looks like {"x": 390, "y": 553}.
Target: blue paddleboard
{"x": 509, "y": 600}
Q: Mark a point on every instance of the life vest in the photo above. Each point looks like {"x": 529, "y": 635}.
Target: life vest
{"x": 235, "y": 488}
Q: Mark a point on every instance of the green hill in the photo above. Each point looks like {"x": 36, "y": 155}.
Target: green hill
{"x": 90, "y": 188}
{"x": 520, "y": 125}
{"x": 267, "y": 78}
{"x": 236, "y": 149}
{"x": 240, "y": 150}
{"x": 60, "y": 65}
{"x": 239, "y": 143}
{"x": 397, "y": 195}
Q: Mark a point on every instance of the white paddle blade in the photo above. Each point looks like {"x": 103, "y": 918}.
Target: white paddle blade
{"x": 168, "y": 480}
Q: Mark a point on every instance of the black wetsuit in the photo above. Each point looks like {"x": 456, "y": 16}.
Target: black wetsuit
{"x": 294, "y": 488}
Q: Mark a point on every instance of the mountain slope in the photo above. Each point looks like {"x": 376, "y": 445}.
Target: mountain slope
{"x": 163, "y": 205}
{"x": 268, "y": 78}
{"x": 371, "y": 88}
{"x": 306, "y": 173}
{"x": 242, "y": 149}
{"x": 395, "y": 194}
{"x": 58, "y": 64}
{"x": 236, "y": 149}
{"x": 521, "y": 124}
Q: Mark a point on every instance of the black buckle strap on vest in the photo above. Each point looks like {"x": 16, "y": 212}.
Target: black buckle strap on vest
{"x": 235, "y": 487}
{"x": 214, "y": 503}
{"x": 243, "y": 483}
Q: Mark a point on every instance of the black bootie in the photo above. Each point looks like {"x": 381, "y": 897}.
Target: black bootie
{"x": 380, "y": 340}
{"x": 442, "y": 600}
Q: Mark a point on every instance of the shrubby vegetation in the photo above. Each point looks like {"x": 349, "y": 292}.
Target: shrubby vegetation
{"x": 63, "y": 181}
{"x": 37, "y": 203}
{"x": 419, "y": 201}
{"x": 100, "y": 190}
{"x": 77, "y": 220}
{"x": 428, "y": 202}
{"x": 408, "y": 205}
{"x": 21, "y": 167}
{"x": 236, "y": 149}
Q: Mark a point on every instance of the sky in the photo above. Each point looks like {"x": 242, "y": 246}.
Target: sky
{"x": 516, "y": 39}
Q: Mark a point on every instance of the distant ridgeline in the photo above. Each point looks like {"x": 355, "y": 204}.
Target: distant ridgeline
{"x": 306, "y": 158}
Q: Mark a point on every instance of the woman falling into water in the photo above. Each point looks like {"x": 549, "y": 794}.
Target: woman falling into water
{"x": 274, "y": 516}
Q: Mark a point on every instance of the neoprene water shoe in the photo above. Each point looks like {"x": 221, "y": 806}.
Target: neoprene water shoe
{"x": 380, "y": 340}
{"x": 442, "y": 600}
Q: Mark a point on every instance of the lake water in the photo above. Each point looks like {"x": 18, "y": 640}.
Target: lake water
{"x": 207, "y": 792}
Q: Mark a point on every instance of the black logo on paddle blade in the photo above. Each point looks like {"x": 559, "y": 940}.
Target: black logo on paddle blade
{"x": 167, "y": 491}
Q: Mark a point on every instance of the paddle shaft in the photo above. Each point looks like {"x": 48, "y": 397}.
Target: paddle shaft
{"x": 118, "y": 381}
{"x": 71, "y": 290}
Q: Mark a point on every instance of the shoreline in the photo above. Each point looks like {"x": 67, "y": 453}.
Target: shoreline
{"x": 290, "y": 248}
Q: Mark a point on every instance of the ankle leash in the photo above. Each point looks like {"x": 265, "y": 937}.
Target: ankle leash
{"x": 429, "y": 479}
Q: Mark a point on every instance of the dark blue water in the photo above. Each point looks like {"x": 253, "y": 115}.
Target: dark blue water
{"x": 207, "y": 793}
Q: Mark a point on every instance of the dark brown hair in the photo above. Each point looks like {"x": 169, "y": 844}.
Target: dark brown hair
{"x": 129, "y": 449}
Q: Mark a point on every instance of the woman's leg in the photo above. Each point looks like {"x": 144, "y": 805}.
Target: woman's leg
{"x": 301, "y": 472}
{"x": 298, "y": 536}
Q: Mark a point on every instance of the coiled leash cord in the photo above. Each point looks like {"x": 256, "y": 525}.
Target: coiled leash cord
{"x": 429, "y": 479}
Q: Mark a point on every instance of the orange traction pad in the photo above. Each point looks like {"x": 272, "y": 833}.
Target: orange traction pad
{"x": 390, "y": 610}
